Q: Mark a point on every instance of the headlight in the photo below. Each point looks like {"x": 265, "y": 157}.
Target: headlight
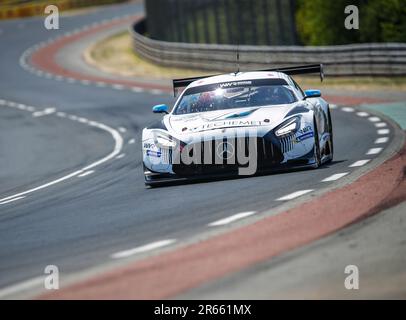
{"x": 164, "y": 141}
{"x": 288, "y": 127}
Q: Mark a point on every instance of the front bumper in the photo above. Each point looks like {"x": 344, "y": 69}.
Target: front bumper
{"x": 269, "y": 156}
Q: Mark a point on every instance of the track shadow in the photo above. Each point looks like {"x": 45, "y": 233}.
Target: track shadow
{"x": 211, "y": 179}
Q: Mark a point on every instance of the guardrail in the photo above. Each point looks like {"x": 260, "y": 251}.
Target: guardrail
{"x": 372, "y": 59}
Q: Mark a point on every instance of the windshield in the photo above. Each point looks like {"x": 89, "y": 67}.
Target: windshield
{"x": 233, "y": 95}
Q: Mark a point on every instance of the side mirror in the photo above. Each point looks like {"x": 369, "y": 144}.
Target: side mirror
{"x": 160, "y": 108}
{"x": 312, "y": 94}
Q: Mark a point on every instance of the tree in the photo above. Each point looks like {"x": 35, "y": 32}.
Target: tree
{"x": 384, "y": 21}
{"x": 321, "y": 22}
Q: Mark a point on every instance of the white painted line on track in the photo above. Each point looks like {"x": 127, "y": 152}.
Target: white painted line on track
{"x": 101, "y": 84}
{"x": 381, "y": 140}
{"x": 380, "y": 124}
{"x": 86, "y": 173}
{"x": 45, "y": 112}
{"x": 117, "y": 86}
{"x": 131, "y": 141}
{"x": 12, "y": 200}
{"x": 362, "y": 114}
{"x": 335, "y": 177}
{"x": 141, "y": 249}
{"x": 120, "y": 156}
{"x": 232, "y": 218}
{"x": 42, "y": 186}
{"x": 294, "y": 195}
{"x": 26, "y": 54}
{"x": 348, "y": 109}
{"x": 118, "y": 145}
{"x": 156, "y": 91}
{"x": 137, "y": 89}
{"x": 383, "y": 131}
{"x": 374, "y": 151}
{"x": 333, "y": 106}
{"x": 22, "y": 286}
{"x": 61, "y": 114}
{"x": 374, "y": 119}
{"x": 122, "y": 129}
{"x": 30, "y": 108}
{"x": 359, "y": 163}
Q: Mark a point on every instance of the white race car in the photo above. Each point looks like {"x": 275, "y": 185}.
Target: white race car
{"x": 239, "y": 123}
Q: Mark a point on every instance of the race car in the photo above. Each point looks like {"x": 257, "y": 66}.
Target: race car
{"x": 241, "y": 123}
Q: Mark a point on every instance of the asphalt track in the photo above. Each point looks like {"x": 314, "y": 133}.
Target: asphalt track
{"x": 80, "y": 222}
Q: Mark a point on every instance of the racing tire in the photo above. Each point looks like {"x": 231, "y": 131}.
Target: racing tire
{"x": 331, "y": 143}
{"x": 317, "y": 156}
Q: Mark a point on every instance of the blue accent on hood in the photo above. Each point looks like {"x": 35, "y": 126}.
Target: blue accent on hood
{"x": 241, "y": 114}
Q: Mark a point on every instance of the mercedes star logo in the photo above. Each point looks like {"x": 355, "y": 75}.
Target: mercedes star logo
{"x": 225, "y": 150}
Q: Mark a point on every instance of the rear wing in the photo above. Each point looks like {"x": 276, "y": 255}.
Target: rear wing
{"x": 310, "y": 68}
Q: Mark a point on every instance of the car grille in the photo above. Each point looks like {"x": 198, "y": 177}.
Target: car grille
{"x": 287, "y": 143}
{"x": 268, "y": 154}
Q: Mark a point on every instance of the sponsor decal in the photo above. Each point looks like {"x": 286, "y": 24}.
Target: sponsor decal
{"x": 305, "y": 129}
{"x": 304, "y": 136}
{"x": 149, "y": 145}
{"x": 230, "y": 123}
{"x": 235, "y": 84}
{"x": 152, "y": 153}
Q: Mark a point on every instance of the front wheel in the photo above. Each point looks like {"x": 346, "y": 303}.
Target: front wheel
{"x": 316, "y": 148}
{"x": 331, "y": 145}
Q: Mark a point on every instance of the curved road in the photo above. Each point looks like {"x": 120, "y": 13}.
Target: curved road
{"x": 51, "y": 129}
